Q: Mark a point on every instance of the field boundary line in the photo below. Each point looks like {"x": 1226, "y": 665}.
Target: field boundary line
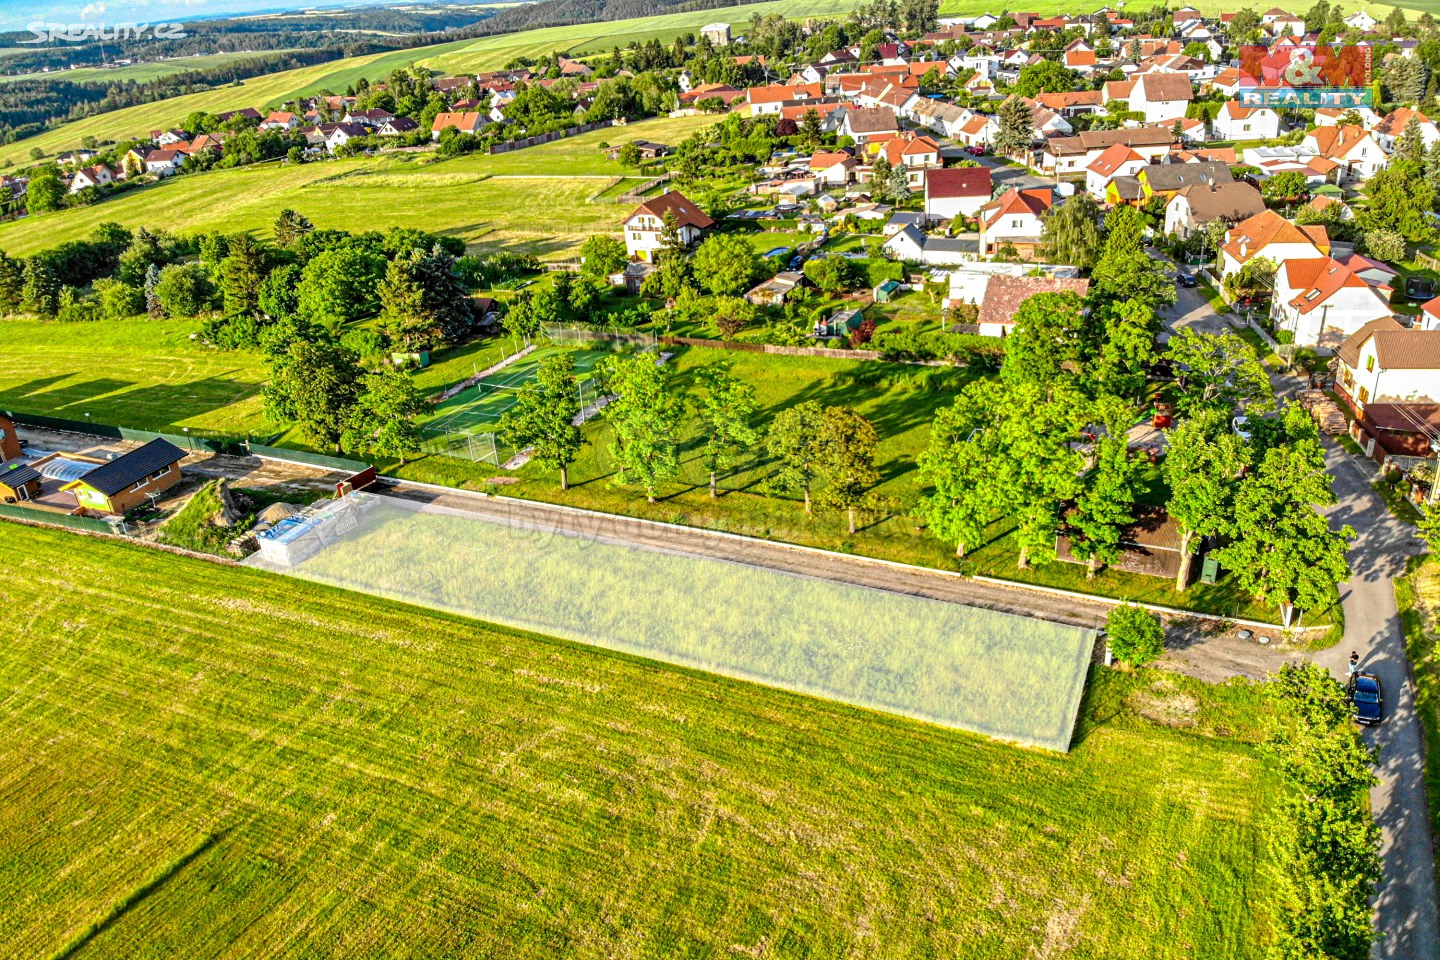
{"x": 818, "y": 551}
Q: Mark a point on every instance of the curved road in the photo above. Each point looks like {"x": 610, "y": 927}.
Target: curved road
{"x": 1406, "y": 912}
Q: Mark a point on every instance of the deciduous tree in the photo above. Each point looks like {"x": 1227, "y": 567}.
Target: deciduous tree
{"x": 847, "y": 444}
{"x": 1202, "y": 469}
{"x": 727, "y": 406}
{"x": 794, "y": 441}
{"x": 544, "y": 415}
{"x": 645, "y": 417}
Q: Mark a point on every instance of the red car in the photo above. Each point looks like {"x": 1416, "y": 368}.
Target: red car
{"x": 975, "y": 151}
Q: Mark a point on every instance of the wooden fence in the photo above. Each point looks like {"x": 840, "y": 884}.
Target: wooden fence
{"x": 550, "y": 137}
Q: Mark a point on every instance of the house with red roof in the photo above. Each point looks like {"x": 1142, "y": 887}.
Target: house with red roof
{"x": 1117, "y": 160}
{"x": 770, "y": 98}
{"x": 1014, "y": 217}
{"x": 96, "y": 176}
{"x": 1388, "y": 130}
{"x": 1321, "y": 301}
{"x": 280, "y": 120}
{"x": 1269, "y": 235}
{"x": 1354, "y": 150}
{"x": 644, "y": 226}
{"x": 833, "y": 169}
{"x": 471, "y": 123}
{"x": 956, "y": 192}
{"x": 915, "y": 153}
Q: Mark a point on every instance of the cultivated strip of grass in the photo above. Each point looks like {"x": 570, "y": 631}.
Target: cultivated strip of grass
{"x": 385, "y": 781}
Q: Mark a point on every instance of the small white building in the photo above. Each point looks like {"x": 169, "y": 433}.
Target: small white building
{"x": 1384, "y": 362}
{"x": 1322, "y": 302}
{"x": 1162, "y": 97}
{"x": 956, "y": 192}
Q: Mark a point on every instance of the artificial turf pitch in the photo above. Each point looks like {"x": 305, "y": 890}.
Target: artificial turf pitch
{"x": 482, "y": 405}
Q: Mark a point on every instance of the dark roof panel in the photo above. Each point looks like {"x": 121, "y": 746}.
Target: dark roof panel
{"x": 126, "y": 471}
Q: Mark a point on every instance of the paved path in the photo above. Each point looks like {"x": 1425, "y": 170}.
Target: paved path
{"x": 1406, "y": 904}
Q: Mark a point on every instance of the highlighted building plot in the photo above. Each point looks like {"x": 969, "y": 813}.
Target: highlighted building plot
{"x": 1009, "y": 677}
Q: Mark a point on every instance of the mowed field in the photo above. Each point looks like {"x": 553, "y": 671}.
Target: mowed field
{"x": 536, "y": 200}
{"x": 141, "y": 373}
{"x": 205, "y": 761}
{"x": 142, "y": 72}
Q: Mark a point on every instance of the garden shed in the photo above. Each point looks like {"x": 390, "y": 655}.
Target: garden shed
{"x": 886, "y": 291}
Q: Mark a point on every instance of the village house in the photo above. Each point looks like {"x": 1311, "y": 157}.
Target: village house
{"x": 1161, "y": 97}
{"x": 342, "y": 133}
{"x": 1354, "y": 151}
{"x": 1388, "y": 130}
{"x": 866, "y": 124}
{"x": 1269, "y": 235}
{"x": 97, "y": 176}
{"x": 471, "y": 123}
{"x": 1384, "y": 365}
{"x": 122, "y": 484}
{"x": 909, "y": 244}
{"x": 940, "y": 117}
{"x": 1322, "y": 302}
{"x": 1236, "y": 122}
{"x": 1195, "y": 205}
{"x": 164, "y": 162}
{"x": 398, "y": 127}
{"x": 644, "y": 226}
{"x": 1073, "y": 155}
{"x": 916, "y": 154}
{"x": 956, "y": 192}
{"x": 1115, "y": 161}
{"x": 770, "y": 98}
{"x": 1168, "y": 179}
{"x": 833, "y": 169}
{"x": 1015, "y": 217}
{"x": 717, "y": 33}
{"x": 280, "y": 120}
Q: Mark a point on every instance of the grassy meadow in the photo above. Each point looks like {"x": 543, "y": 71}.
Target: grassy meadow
{"x": 545, "y": 200}
{"x": 142, "y": 72}
{"x": 214, "y": 762}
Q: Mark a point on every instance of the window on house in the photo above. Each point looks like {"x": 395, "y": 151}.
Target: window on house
{"x": 1370, "y": 363}
{"x": 1364, "y": 395}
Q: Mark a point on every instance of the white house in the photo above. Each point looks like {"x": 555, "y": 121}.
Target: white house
{"x": 911, "y": 245}
{"x": 1116, "y": 161}
{"x": 1162, "y": 97}
{"x": 1360, "y": 20}
{"x": 1236, "y": 122}
{"x": 1388, "y": 130}
{"x": 1015, "y": 217}
{"x": 1331, "y": 116}
{"x": 1354, "y": 150}
{"x": 1269, "y": 235}
{"x": 1195, "y": 205}
{"x": 956, "y": 192}
{"x": 96, "y": 176}
{"x": 833, "y": 169}
{"x": 163, "y": 163}
{"x": 940, "y": 117}
{"x": 1322, "y": 302}
{"x": 1385, "y": 363}
{"x": 644, "y": 226}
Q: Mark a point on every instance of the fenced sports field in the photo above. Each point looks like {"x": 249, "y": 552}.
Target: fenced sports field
{"x": 463, "y": 425}
{"x": 1009, "y": 677}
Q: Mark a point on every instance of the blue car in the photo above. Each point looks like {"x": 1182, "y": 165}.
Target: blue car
{"x": 1365, "y": 699}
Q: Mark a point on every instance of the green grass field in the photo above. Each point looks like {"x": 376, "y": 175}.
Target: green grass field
{"x": 216, "y": 762}
{"x": 142, "y": 373}
{"x": 142, "y": 72}
{"x": 542, "y": 200}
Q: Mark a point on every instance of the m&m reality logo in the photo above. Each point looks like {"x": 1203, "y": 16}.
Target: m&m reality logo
{"x": 1305, "y": 75}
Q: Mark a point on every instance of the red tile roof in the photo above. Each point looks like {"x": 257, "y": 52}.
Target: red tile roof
{"x": 958, "y": 182}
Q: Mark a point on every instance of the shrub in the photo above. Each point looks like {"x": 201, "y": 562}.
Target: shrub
{"x": 1135, "y": 634}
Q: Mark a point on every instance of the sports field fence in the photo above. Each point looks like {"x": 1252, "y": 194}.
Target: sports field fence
{"x": 618, "y": 337}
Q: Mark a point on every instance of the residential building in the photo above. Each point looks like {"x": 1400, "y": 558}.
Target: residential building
{"x": 1269, "y": 235}
{"x": 280, "y": 120}
{"x": 1073, "y": 155}
{"x": 866, "y": 124}
{"x": 1236, "y": 122}
{"x": 956, "y": 192}
{"x": 1115, "y": 161}
{"x": 1015, "y": 217}
{"x": 1321, "y": 302}
{"x": 916, "y": 154}
{"x": 911, "y": 245}
{"x": 833, "y": 169}
{"x": 1354, "y": 151}
{"x": 1161, "y": 97}
{"x": 1383, "y": 362}
{"x": 97, "y": 176}
{"x": 126, "y": 482}
{"x": 1168, "y": 179}
{"x": 1193, "y": 206}
{"x": 717, "y": 33}
{"x": 644, "y": 226}
{"x": 471, "y": 123}
{"x": 1389, "y": 129}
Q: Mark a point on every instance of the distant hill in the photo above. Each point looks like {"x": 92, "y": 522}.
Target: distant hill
{"x": 559, "y": 13}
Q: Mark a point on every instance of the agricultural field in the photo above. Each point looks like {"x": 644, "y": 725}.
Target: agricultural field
{"x": 249, "y": 764}
{"x": 142, "y": 72}
{"x": 545, "y": 200}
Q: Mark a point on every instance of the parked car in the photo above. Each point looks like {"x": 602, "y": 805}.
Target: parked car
{"x": 1366, "y": 701}
{"x": 1420, "y": 288}
{"x": 975, "y": 151}
{"x": 1185, "y": 279}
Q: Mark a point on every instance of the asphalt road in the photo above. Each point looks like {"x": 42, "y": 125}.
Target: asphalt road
{"x": 1406, "y": 904}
